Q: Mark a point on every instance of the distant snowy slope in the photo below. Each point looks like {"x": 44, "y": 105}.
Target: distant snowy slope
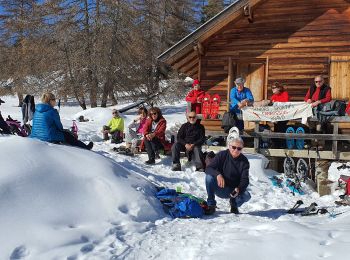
{"x": 64, "y": 198}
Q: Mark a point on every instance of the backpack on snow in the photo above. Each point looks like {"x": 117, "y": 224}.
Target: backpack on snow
{"x": 180, "y": 205}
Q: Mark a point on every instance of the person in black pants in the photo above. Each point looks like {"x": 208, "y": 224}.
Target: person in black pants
{"x": 154, "y": 134}
{"x": 47, "y": 124}
{"x": 3, "y": 126}
{"x": 190, "y": 138}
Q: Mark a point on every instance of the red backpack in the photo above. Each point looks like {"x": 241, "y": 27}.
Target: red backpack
{"x": 347, "y": 109}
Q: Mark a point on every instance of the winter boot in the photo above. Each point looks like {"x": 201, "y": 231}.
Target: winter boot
{"x": 210, "y": 210}
{"x": 233, "y": 204}
{"x": 176, "y": 167}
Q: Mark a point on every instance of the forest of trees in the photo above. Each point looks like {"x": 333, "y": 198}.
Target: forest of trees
{"x": 95, "y": 51}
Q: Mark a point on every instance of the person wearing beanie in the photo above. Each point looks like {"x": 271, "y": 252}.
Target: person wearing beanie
{"x": 240, "y": 97}
{"x": 194, "y": 97}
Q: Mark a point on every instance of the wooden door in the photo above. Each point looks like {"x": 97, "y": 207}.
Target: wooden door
{"x": 340, "y": 77}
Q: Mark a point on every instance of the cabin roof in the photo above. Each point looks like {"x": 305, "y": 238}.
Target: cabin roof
{"x": 188, "y": 46}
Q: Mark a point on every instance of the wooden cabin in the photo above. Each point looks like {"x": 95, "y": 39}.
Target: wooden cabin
{"x": 290, "y": 41}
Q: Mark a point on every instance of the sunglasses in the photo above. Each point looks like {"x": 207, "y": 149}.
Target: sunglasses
{"x": 236, "y": 148}
{"x": 154, "y": 113}
{"x": 318, "y": 81}
{"x": 192, "y": 117}
{"x": 114, "y": 113}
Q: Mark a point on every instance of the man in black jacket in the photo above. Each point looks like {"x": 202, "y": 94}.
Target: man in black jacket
{"x": 190, "y": 138}
{"x": 227, "y": 176}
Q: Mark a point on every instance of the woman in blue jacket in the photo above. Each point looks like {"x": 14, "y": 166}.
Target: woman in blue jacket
{"x": 240, "y": 97}
{"x": 47, "y": 125}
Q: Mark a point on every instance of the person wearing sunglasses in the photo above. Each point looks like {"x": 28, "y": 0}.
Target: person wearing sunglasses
{"x": 134, "y": 132}
{"x": 227, "y": 176}
{"x": 115, "y": 128}
{"x": 190, "y": 138}
{"x": 154, "y": 134}
{"x": 279, "y": 94}
{"x": 318, "y": 93}
{"x": 240, "y": 97}
{"x": 47, "y": 124}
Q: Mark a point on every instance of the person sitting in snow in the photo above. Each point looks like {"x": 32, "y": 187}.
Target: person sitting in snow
{"x": 115, "y": 128}
{"x": 194, "y": 97}
{"x": 190, "y": 138}
{"x": 154, "y": 134}
{"x": 47, "y": 125}
{"x": 4, "y": 128}
{"x": 134, "y": 137}
{"x": 227, "y": 176}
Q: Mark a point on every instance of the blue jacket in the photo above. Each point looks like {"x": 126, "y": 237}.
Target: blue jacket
{"x": 47, "y": 125}
{"x": 236, "y": 97}
{"x": 234, "y": 170}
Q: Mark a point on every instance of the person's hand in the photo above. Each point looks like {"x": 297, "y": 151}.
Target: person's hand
{"x": 309, "y": 101}
{"x": 188, "y": 147}
{"x": 221, "y": 181}
{"x": 234, "y": 193}
{"x": 240, "y": 105}
{"x": 315, "y": 104}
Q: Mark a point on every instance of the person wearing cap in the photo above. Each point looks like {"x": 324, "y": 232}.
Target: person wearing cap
{"x": 194, "y": 97}
{"x": 190, "y": 138}
{"x": 3, "y": 126}
{"x": 115, "y": 128}
{"x": 240, "y": 97}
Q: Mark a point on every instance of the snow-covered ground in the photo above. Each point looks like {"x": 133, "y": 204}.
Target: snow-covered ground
{"x": 61, "y": 202}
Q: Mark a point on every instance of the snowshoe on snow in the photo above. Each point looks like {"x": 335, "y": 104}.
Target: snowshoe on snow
{"x": 293, "y": 209}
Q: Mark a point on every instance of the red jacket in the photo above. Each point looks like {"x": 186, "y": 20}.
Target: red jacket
{"x": 280, "y": 97}
{"x": 193, "y": 97}
{"x": 159, "y": 132}
{"x": 347, "y": 110}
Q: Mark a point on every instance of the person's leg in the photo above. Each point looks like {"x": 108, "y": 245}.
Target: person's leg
{"x": 240, "y": 124}
{"x": 242, "y": 198}
{"x": 71, "y": 140}
{"x": 150, "y": 151}
{"x": 213, "y": 189}
{"x": 175, "y": 152}
{"x": 130, "y": 135}
{"x": 4, "y": 126}
{"x": 198, "y": 157}
{"x": 105, "y": 134}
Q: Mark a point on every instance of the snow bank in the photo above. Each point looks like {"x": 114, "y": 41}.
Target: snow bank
{"x": 55, "y": 196}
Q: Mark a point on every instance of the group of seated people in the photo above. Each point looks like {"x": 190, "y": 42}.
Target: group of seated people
{"x": 227, "y": 174}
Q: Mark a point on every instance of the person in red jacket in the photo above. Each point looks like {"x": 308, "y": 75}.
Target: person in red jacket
{"x": 318, "y": 93}
{"x": 278, "y": 93}
{"x": 195, "y": 96}
{"x": 154, "y": 133}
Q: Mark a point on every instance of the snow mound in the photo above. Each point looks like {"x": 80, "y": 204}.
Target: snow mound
{"x": 65, "y": 198}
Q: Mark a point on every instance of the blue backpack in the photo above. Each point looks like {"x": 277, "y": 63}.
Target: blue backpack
{"x": 179, "y": 206}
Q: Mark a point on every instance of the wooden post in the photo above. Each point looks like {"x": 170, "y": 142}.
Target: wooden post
{"x": 256, "y": 139}
{"x": 335, "y": 142}
{"x": 229, "y": 81}
{"x": 266, "y": 77}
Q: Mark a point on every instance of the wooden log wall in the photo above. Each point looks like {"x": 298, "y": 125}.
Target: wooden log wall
{"x": 298, "y": 37}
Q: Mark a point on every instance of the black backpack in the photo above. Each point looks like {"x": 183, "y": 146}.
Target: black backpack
{"x": 331, "y": 109}
{"x": 228, "y": 121}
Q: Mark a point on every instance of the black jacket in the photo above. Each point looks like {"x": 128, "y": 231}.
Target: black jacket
{"x": 191, "y": 134}
{"x": 323, "y": 91}
{"x": 234, "y": 170}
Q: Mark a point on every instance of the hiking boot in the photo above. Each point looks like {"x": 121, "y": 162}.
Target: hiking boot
{"x": 156, "y": 155}
{"x": 233, "y": 204}
{"x": 90, "y": 145}
{"x": 210, "y": 210}
{"x": 176, "y": 167}
{"x": 150, "y": 161}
